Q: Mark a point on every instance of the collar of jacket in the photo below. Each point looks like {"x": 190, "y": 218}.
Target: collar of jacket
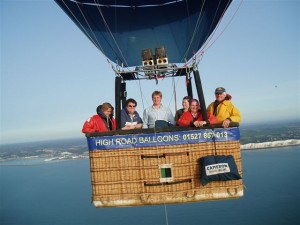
{"x": 224, "y": 102}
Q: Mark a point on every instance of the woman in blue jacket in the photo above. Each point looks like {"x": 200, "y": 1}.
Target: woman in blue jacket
{"x": 130, "y": 118}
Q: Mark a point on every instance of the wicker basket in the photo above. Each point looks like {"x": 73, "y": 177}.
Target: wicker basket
{"x": 159, "y": 174}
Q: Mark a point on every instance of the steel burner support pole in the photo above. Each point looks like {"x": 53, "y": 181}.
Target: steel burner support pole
{"x": 200, "y": 94}
{"x": 120, "y": 98}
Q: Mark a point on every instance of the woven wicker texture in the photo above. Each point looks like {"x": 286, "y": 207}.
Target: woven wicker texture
{"x": 129, "y": 177}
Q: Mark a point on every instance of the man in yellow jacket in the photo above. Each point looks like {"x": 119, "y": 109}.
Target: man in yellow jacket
{"x": 223, "y": 109}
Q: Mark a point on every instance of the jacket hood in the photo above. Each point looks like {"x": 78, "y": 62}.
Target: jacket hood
{"x": 100, "y": 112}
{"x": 228, "y": 97}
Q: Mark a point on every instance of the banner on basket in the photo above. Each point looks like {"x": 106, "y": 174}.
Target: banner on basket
{"x": 163, "y": 138}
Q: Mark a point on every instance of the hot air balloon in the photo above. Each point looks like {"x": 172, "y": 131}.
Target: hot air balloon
{"x": 153, "y": 39}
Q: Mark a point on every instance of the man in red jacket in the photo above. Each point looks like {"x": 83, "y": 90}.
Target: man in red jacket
{"x": 101, "y": 122}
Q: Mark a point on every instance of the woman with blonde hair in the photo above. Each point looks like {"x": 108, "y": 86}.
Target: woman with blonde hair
{"x": 101, "y": 122}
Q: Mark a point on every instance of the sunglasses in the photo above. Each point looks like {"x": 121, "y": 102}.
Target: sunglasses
{"x": 131, "y": 106}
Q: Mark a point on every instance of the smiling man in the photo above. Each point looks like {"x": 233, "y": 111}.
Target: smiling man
{"x": 223, "y": 109}
{"x": 157, "y": 112}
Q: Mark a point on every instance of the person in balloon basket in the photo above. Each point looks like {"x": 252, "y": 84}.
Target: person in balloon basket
{"x": 130, "y": 118}
{"x": 193, "y": 116}
{"x": 157, "y": 113}
{"x": 185, "y": 108}
{"x": 223, "y": 108}
{"x": 101, "y": 122}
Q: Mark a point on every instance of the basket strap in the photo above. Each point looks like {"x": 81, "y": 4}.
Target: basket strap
{"x": 214, "y": 141}
{"x": 167, "y": 183}
{"x": 164, "y": 155}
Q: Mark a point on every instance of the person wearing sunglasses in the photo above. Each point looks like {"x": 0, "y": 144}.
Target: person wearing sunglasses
{"x": 223, "y": 108}
{"x": 130, "y": 118}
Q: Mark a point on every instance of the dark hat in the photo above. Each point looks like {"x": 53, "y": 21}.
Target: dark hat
{"x": 220, "y": 90}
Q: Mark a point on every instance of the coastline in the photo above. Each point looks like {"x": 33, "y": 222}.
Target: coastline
{"x": 68, "y": 156}
{"x": 270, "y": 144}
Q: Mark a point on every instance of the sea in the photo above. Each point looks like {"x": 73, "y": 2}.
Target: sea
{"x": 59, "y": 193}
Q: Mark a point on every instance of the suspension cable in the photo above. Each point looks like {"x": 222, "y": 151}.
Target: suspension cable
{"x": 81, "y": 26}
{"x": 194, "y": 32}
{"x": 208, "y": 43}
{"x": 225, "y": 26}
{"x": 110, "y": 33}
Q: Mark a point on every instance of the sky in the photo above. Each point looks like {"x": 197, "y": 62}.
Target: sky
{"x": 53, "y": 77}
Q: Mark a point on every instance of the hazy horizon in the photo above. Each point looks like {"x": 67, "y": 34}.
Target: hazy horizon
{"x": 242, "y": 126}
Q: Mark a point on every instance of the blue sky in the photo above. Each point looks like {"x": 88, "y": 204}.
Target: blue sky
{"x": 52, "y": 76}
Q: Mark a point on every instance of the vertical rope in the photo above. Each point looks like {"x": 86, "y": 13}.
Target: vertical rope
{"x": 162, "y": 184}
{"x": 174, "y": 93}
{"x": 214, "y": 140}
{"x": 166, "y": 214}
